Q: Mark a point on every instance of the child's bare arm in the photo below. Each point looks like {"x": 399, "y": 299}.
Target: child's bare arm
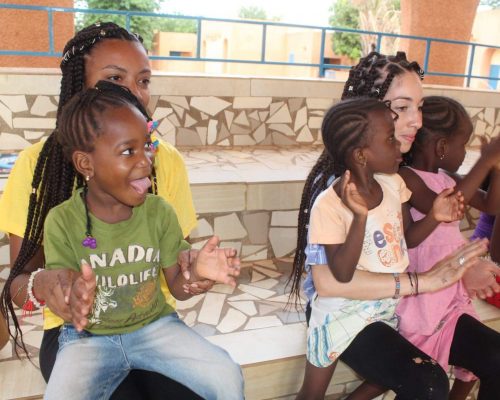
{"x": 495, "y": 241}
{"x": 468, "y": 185}
{"x": 343, "y": 258}
{"x": 176, "y": 281}
{"x": 447, "y": 206}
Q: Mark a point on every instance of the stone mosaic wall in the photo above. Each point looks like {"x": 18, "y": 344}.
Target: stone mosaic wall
{"x": 230, "y": 115}
{"x": 196, "y": 121}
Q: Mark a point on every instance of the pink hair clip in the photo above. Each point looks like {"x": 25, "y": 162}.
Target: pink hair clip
{"x": 152, "y": 125}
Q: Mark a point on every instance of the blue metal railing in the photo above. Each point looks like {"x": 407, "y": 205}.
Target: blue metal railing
{"x": 321, "y": 65}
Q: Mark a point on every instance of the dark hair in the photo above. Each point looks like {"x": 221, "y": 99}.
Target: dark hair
{"x": 54, "y": 176}
{"x": 441, "y": 117}
{"x": 80, "y": 121}
{"x": 371, "y": 77}
{"x": 345, "y": 126}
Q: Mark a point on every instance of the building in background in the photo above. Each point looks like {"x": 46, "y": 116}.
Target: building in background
{"x": 486, "y": 30}
{"x": 224, "y": 40}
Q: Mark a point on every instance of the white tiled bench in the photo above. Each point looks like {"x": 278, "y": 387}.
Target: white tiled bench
{"x": 278, "y": 372}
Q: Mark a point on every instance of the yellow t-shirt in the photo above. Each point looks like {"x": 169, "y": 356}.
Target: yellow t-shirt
{"x": 172, "y": 183}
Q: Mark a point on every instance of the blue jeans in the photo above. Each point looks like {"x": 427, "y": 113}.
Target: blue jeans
{"x": 90, "y": 366}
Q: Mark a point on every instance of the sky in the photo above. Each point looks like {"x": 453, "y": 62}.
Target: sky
{"x": 305, "y": 12}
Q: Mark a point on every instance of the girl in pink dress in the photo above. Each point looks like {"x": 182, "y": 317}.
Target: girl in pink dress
{"x": 429, "y": 320}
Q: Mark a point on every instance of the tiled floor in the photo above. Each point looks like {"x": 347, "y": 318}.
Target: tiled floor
{"x": 249, "y": 165}
{"x": 250, "y": 316}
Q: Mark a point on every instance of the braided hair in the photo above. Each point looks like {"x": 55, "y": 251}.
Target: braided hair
{"x": 441, "y": 117}
{"x": 371, "y": 77}
{"x": 54, "y": 176}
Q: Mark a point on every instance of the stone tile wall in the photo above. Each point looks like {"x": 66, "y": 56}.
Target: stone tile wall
{"x": 254, "y": 211}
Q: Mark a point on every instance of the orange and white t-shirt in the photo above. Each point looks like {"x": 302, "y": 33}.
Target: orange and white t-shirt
{"x": 384, "y": 246}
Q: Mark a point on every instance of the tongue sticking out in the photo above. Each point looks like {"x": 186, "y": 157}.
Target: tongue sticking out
{"x": 141, "y": 185}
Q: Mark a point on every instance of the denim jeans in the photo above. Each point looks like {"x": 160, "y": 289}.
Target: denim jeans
{"x": 90, "y": 366}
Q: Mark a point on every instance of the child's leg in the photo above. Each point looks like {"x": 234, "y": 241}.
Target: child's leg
{"x": 366, "y": 391}
{"x": 170, "y": 347}
{"x": 316, "y": 381}
{"x": 460, "y": 389}
{"x": 87, "y": 366}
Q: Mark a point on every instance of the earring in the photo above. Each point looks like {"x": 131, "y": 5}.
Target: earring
{"x": 87, "y": 178}
{"x": 441, "y": 157}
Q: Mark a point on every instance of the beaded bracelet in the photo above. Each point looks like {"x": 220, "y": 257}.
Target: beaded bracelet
{"x": 397, "y": 286}
{"x": 412, "y": 288}
{"x": 31, "y": 293}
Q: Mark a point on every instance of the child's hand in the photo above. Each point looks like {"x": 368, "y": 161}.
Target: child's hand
{"x": 81, "y": 297}
{"x": 448, "y": 206}
{"x": 220, "y": 265}
{"x": 351, "y": 197}
{"x": 491, "y": 150}
{"x": 194, "y": 288}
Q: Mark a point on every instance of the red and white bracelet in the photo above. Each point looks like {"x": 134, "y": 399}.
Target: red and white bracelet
{"x": 31, "y": 294}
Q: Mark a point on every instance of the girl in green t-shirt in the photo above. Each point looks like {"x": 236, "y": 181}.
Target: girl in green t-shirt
{"x": 122, "y": 239}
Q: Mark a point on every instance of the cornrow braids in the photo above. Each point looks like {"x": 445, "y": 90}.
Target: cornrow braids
{"x": 441, "y": 117}
{"x": 371, "y": 77}
{"x": 54, "y": 177}
{"x": 345, "y": 126}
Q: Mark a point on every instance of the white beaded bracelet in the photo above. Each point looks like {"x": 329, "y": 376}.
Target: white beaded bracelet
{"x": 31, "y": 295}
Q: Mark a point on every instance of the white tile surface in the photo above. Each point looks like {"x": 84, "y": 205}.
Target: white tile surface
{"x": 266, "y": 344}
{"x": 211, "y": 308}
{"x": 255, "y": 291}
{"x": 268, "y": 272}
{"x": 231, "y": 321}
{"x": 247, "y": 307}
{"x": 266, "y": 284}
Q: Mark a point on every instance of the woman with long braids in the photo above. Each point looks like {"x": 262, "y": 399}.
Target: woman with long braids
{"x": 42, "y": 178}
{"x": 398, "y": 81}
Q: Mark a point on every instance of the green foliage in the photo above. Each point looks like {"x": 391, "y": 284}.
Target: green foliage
{"x": 490, "y": 3}
{"x": 144, "y": 26}
{"x": 345, "y": 15}
{"x": 252, "y": 12}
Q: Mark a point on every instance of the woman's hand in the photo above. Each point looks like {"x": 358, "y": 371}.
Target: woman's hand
{"x": 480, "y": 279}
{"x": 351, "y": 197}
{"x": 451, "y": 269}
{"x": 193, "y": 288}
{"x": 81, "y": 298}
{"x": 448, "y": 206}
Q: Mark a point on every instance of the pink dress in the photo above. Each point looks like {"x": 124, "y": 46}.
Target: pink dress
{"x": 428, "y": 320}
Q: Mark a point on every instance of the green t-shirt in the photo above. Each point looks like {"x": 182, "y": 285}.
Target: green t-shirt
{"x": 127, "y": 261}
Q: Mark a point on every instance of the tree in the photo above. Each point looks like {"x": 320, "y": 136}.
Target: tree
{"x": 252, "y": 12}
{"x": 345, "y": 15}
{"x": 144, "y": 26}
{"x": 368, "y": 15}
{"x": 490, "y": 3}
{"x": 379, "y": 16}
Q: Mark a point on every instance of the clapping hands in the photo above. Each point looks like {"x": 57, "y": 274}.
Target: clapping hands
{"x": 448, "y": 206}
